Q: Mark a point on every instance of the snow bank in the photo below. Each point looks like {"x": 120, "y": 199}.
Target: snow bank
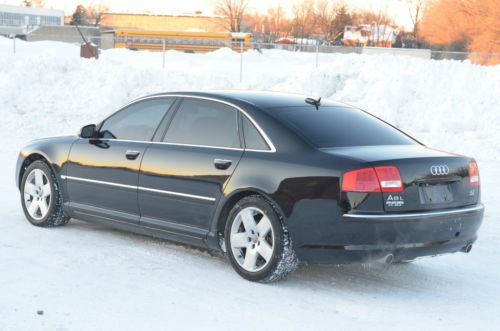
{"x": 45, "y": 88}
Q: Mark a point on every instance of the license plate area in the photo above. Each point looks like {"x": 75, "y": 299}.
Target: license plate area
{"x": 437, "y": 193}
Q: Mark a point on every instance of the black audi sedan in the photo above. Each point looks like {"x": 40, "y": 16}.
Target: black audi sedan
{"x": 268, "y": 179}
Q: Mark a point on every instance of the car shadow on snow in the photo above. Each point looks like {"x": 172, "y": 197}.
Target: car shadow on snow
{"x": 376, "y": 276}
{"x": 134, "y": 240}
{"x": 370, "y": 278}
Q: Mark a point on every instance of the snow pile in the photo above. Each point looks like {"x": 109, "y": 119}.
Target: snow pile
{"x": 445, "y": 104}
{"x": 87, "y": 277}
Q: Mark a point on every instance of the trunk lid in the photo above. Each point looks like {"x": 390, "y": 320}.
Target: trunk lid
{"x": 432, "y": 179}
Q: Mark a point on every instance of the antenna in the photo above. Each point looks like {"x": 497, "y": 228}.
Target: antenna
{"x": 81, "y": 34}
{"x": 314, "y": 102}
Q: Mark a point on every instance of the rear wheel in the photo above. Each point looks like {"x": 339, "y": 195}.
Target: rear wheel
{"x": 40, "y": 196}
{"x": 258, "y": 242}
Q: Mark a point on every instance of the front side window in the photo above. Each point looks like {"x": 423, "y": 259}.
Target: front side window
{"x": 204, "y": 123}
{"x": 136, "y": 122}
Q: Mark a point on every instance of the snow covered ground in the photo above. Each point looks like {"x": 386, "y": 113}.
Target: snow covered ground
{"x": 87, "y": 277}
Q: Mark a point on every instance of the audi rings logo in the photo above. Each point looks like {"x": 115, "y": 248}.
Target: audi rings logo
{"x": 440, "y": 170}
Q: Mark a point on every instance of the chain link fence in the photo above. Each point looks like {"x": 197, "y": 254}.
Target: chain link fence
{"x": 205, "y": 45}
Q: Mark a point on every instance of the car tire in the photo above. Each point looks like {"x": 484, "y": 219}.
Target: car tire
{"x": 41, "y": 197}
{"x": 258, "y": 242}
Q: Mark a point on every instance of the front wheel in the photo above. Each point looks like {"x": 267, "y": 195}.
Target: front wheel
{"x": 40, "y": 196}
{"x": 257, "y": 240}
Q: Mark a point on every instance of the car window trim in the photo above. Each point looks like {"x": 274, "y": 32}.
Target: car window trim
{"x": 188, "y": 145}
{"x": 174, "y": 144}
{"x": 259, "y": 129}
{"x": 164, "y": 117}
{"x": 243, "y": 136}
{"x": 165, "y": 122}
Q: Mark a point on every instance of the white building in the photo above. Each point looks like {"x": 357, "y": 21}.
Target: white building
{"x": 370, "y": 35}
{"x": 20, "y": 20}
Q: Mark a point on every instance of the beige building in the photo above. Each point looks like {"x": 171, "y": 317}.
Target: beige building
{"x": 164, "y": 22}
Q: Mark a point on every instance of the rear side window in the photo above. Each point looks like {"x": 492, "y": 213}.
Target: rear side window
{"x": 253, "y": 139}
{"x": 136, "y": 122}
{"x": 204, "y": 123}
{"x": 340, "y": 127}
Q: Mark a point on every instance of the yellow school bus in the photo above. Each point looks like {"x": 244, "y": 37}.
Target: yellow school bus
{"x": 190, "y": 42}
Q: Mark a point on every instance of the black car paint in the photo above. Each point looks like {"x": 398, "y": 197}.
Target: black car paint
{"x": 302, "y": 182}
{"x": 54, "y": 150}
{"x": 105, "y": 161}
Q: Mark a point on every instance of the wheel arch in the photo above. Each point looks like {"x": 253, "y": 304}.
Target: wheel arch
{"x": 54, "y": 152}
{"x": 222, "y": 212}
{"x": 34, "y": 156}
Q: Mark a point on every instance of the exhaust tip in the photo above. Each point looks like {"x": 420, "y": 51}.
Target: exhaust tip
{"x": 389, "y": 259}
{"x": 467, "y": 248}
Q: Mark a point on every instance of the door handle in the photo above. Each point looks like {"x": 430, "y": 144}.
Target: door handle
{"x": 222, "y": 164}
{"x": 132, "y": 155}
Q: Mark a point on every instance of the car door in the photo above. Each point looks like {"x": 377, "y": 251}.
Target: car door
{"x": 102, "y": 173}
{"x": 182, "y": 177}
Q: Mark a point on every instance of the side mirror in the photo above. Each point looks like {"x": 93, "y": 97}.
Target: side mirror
{"x": 88, "y": 131}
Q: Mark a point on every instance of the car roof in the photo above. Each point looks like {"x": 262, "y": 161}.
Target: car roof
{"x": 260, "y": 99}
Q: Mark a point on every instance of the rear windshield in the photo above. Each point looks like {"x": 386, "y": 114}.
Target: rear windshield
{"x": 340, "y": 127}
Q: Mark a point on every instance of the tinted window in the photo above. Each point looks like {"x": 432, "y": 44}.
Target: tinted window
{"x": 205, "y": 123}
{"x": 341, "y": 127}
{"x": 253, "y": 139}
{"x": 136, "y": 122}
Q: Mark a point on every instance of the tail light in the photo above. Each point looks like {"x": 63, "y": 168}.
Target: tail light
{"x": 389, "y": 178}
{"x": 376, "y": 179}
{"x": 361, "y": 180}
{"x": 474, "y": 179}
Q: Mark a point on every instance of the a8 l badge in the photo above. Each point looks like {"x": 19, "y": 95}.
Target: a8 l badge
{"x": 395, "y": 201}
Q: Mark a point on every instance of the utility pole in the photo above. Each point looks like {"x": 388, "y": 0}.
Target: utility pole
{"x": 241, "y": 61}
{"x": 163, "y": 53}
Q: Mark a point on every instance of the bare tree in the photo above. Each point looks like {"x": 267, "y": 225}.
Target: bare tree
{"x": 269, "y": 26}
{"x": 303, "y": 18}
{"x": 234, "y": 10}
{"x": 466, "y": 25}
{"x": 416, "y": 9}
{"x": 94, "y": 12}
{"x": 257, "y": 23}
{"x": 331, "y": 17}
{"x": 33, "y": 3}
{"x": 278, "y": 23}
{"x": 325, "y": 13}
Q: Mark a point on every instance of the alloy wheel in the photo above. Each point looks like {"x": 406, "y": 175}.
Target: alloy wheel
{"x": 37, "y": 194}
{"x": 252, "y": 239}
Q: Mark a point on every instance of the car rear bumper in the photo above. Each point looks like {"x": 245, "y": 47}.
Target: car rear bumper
{"x": 364, "y": 237}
